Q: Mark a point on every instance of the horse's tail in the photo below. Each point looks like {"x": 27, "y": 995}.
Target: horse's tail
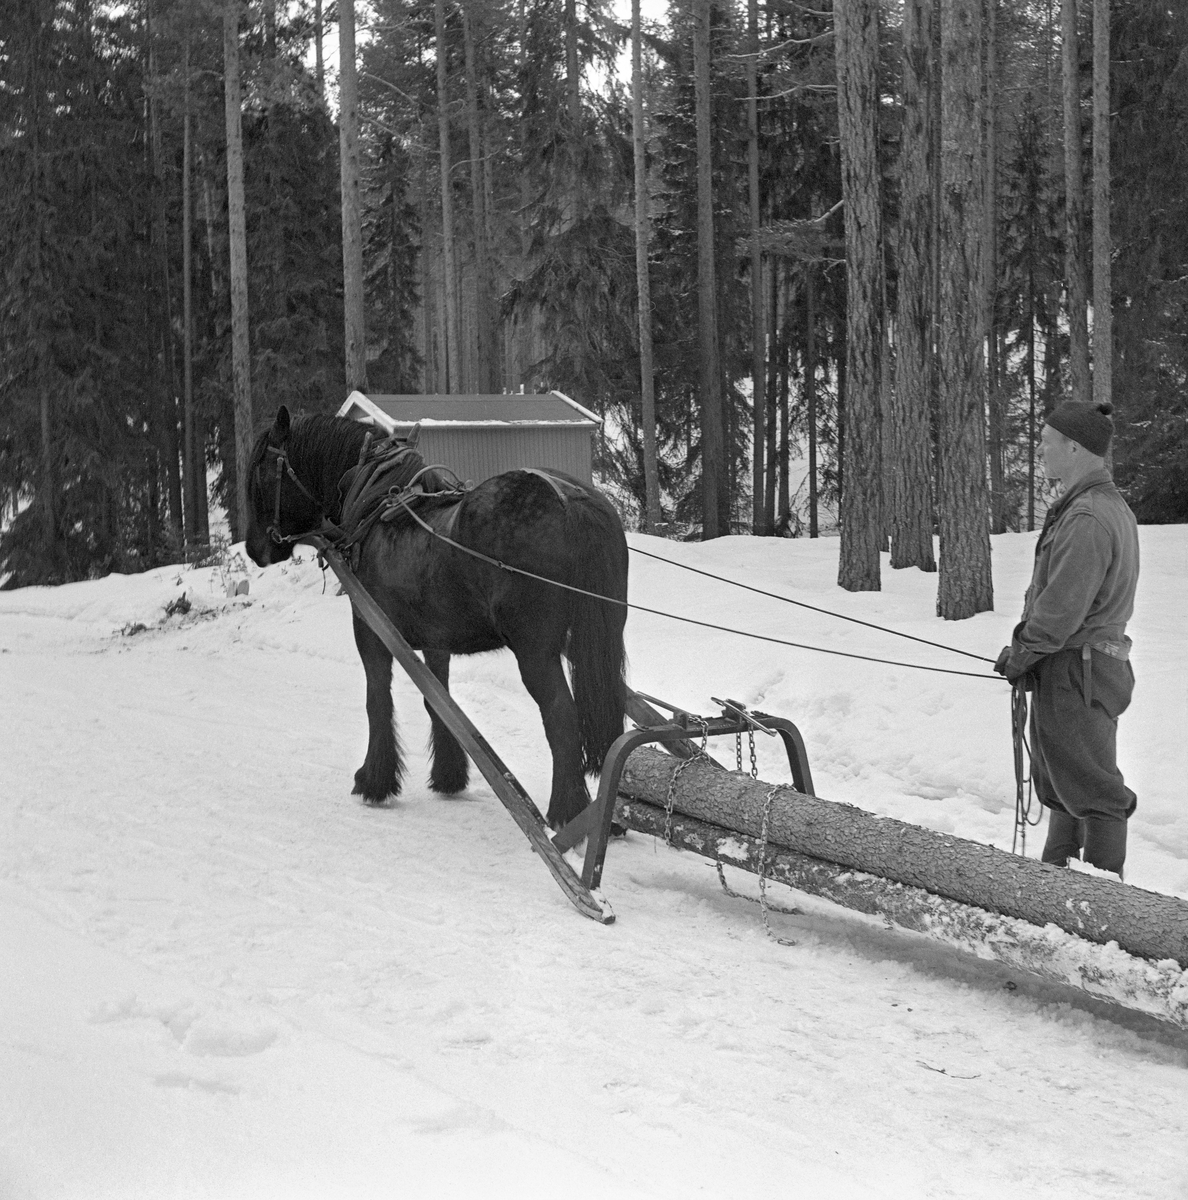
{"x": 595, "y": 650}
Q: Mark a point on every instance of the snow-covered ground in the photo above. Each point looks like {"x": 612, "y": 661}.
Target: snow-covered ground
{"x": 222, "y": 976}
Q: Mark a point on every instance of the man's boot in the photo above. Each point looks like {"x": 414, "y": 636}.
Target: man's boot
{"x": 1065, "y": 834}
{"x": 1105, "y": 844}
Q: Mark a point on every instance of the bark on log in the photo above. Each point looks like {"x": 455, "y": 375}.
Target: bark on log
{"x": 1143, "y": 923}
{"x": 1106, "y": 972}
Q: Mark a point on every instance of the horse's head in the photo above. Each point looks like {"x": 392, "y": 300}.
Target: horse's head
{"x": 279, "y": 504}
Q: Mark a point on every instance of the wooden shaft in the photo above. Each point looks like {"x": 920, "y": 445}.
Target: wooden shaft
{"x": 506, "y": 786}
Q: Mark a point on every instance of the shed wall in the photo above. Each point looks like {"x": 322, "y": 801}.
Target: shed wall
{"x": 477, "y": 454}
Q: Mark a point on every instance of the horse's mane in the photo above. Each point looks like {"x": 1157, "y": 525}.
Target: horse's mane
{"x": 323, "y": 443}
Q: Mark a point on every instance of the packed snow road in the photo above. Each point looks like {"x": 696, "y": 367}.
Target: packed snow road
{"x": 223, "y": 976}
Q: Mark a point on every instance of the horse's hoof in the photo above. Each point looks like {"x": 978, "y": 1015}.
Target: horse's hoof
{"x": 373, "y": 792}
{"x": 559, "y": 816}
{"x": 449, "y": 783}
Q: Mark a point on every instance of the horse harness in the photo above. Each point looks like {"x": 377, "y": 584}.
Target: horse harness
{"x": 388, "y": 477}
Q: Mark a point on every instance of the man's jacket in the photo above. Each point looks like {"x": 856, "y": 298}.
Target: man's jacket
{"x": 1086, "y": 570}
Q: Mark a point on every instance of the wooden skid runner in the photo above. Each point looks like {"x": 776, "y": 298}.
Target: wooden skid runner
{"x": 505, "y": 785}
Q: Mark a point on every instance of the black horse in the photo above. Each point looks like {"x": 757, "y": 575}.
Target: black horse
{"x": 446, "y": 602}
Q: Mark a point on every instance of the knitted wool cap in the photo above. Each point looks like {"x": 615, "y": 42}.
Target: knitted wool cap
{"x": 1088, "y": 424}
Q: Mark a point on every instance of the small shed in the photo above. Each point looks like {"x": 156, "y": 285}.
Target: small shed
{"x": 480, "y": 436}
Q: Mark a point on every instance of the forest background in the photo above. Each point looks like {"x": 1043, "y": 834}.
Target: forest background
{"x": 861, "y": 234}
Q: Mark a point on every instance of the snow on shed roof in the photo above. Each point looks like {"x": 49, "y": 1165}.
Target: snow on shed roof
{"x": 548, "y": 409}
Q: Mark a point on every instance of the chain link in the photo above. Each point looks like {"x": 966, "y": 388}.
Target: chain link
{"x": 700, "y": 753}
{"x": 764, "y": 907}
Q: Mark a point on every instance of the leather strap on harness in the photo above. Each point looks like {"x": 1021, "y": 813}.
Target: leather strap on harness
{"x": 553, "y": 482}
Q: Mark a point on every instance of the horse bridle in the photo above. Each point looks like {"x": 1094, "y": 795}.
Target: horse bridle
{"x": 284, "y": 467}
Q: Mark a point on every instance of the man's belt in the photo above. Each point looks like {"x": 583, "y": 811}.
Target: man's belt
{"x": 1118, "y": 650}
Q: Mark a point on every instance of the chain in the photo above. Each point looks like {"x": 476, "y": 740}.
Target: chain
{"x": 764, "y": 907}
{"x": 763, "y": 867}
{"x": 700, "y": 752}
{"x": 668, "y": 800}
{"x": 738, "y": 759}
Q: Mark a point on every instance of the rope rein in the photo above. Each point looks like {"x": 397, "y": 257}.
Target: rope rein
{"x": 1024, "y": 796}
{"x": 495, "y": 562}
{"x": 392, "y": 499}
{"x": 812, "y": 607}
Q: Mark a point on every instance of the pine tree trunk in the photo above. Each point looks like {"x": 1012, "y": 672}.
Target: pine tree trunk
{"x": 1074, "y": 210}
{"x": 574, "y": 99}
{"x": 1031, "y": 409}
{"x": 353, "y": 300}
{"x": 758, "y": 524}
{"x": 994, "y": 396}
{"x": 910, "y": 434}
{"x": 965, "y": 585}
{"x": 715, "y": 500}
{"x": 488, "y": 359}
{"x": 1103, "y": 311}
{"x": 453, "y": 358}
{"x": 167, "y": 395}
{"x": 428, "y": 307}
{"x": 237, "y": 239}
{"x": 770, "y": 483}
{"x": 810, "y": 387}
{"x": 47, "y": 484}
{"x": 860, "y": 518}
{"x": 190, "y": 476}
{"x": 783, "y": 356}
{"x": 1145, "y": 923}
{"x": 643, "y": 237}
{"x": 319, "y": 61}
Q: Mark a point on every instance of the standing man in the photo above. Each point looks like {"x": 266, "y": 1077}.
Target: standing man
{"x": 1071, "y": 647}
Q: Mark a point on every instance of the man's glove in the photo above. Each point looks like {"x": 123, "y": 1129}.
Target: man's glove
{"x": 1014, "y": 663}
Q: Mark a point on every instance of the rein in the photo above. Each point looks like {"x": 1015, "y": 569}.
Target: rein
{"x": 283, "y": 467}
{"x": 1019, "y": 746}
{"x": 371, "y": 504}
{"x": 494, "y": 562}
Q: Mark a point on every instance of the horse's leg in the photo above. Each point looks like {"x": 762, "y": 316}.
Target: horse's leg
{"x": 379, "y": 776}
{"x": 544, "y": 678}
{"x": 451, "y": 768}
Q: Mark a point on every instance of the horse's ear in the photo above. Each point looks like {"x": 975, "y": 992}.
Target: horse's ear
{"x": 280, "y": 430}
{"x": 413, "y": 436}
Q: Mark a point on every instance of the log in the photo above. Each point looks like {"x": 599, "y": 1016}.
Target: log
{"x": 1146, "y": 924}
{"x": 1106, "y": 972}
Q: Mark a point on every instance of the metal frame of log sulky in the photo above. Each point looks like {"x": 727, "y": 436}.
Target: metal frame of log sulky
{"x": 593, "y": 825}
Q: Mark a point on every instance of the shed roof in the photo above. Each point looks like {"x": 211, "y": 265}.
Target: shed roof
{"x": 518, "y": 409}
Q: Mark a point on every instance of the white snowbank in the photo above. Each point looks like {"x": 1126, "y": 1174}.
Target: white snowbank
{"x": 224, "y": 977}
